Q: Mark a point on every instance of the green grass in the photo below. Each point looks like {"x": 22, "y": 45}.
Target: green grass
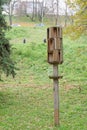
{"x": 26, "y": 102}
{"x": 33, "y": 35}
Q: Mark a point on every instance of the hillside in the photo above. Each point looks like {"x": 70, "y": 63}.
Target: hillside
{"x": 26, "y": 102}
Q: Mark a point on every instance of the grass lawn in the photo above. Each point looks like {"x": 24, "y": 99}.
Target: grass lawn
{"x": 26, "y": 102}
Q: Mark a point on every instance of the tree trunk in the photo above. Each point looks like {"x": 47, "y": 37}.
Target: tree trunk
{"x": 42, "y": 13}
{"x": 66, "y": 16}
{"x": 57, "y": 15}
{"x": 10, "y": 19}
{"x": 33, "y": 11}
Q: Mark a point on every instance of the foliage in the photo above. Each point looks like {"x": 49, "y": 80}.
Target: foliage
{"x": 6, "y": 63}
{"x": 79, "y": 25}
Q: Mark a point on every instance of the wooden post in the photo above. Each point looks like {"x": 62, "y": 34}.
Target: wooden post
{"x": 56, "y": 94}
{"x": 55, "y": 57}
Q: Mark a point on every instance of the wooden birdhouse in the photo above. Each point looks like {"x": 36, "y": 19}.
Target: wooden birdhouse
{"x": 55, "y": 48}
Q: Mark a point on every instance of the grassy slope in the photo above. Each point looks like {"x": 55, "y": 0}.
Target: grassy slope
{"x": 26, "y": 102}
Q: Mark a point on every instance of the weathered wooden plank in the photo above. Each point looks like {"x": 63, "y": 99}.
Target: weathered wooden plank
{"x": 56, "y": 95}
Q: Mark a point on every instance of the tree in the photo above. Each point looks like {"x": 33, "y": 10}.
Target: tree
{"x": 79, "y": 26}
{"x": 33, "y": 15}
{"x": 10, "y": 8}
{"x": 6, "y": 62}
{"x": 66, "y": 14}
{"x": 50, "y": 10}
{"x": 57, "y": 18}
{"x": 53, "y": 10}
{"x": 41, "y": 11}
